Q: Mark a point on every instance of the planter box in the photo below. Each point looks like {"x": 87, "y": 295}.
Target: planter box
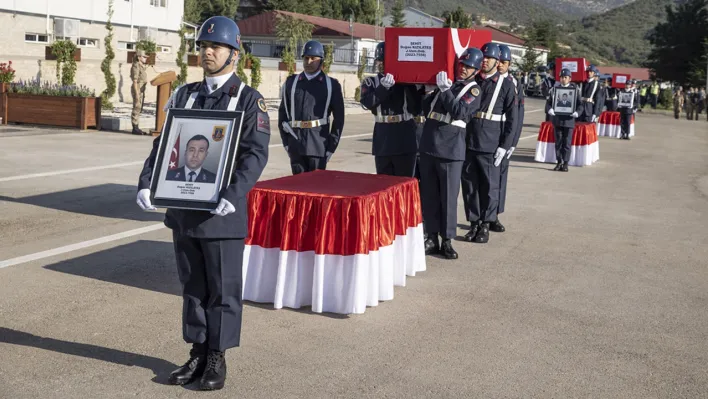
{"x": 194, "y": 60}
{"x": 76, "y": 112}
{"x": 284, "y": 67}
{"x": 131, "y": 56}
{"x": 50, "y": 57}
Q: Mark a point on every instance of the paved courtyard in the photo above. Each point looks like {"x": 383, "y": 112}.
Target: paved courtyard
{"x": 598, "y": 288}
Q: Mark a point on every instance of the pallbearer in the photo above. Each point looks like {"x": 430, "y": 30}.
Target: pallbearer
{"x": 610, "y": 94}
{"x": 592, "y": 98}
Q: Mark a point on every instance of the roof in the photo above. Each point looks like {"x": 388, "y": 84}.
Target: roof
{"x": 264, "y": 25}
{"x": 499, "y": 35}
{"x": 635, "y": 73}
{"x": 425, "y": 14}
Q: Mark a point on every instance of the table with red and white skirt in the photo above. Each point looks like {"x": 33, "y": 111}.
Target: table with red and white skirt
{"x": 336, "y": 241}
{"x": 609, "y": 125}
{"x": 584, "y": 150}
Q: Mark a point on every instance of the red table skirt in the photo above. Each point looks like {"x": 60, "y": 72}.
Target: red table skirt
{"x": 584, "y": 133}
{"x": 584, "y": 149}
{"x": 611, "y": 118}
{"x": 332, "y": 212}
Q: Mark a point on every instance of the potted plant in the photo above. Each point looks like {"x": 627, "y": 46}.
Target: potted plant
{"x": 150, "y": 49}
{"x": 7, "y": 75}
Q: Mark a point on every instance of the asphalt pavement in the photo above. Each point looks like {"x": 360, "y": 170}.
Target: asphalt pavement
{"x": 598, "y": 288}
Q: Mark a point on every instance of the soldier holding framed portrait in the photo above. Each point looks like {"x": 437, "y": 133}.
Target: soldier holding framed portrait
{"x": 564, "y": 106}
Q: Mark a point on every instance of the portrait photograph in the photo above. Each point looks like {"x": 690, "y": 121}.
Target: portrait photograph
{"x": 564, "y": 101}
{"x": 195, "y": 158}
{"x": 626, "y": 100}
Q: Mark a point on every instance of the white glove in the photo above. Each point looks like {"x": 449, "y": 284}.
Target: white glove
{"x": 329, "y": 155}
{"x": 444, "y": 83}
{"x": 511, "y": 151}
{"x": 286, "y": 148}
{"x": 551, "y": 112}
{"x": 498, "y": 156}
{"x": 575, "y": 115}
{"x": 388, "y": 81}
{"x": 143, "y": 200}
{"x": 594, "y": 118}
{"x": 224, "y": 208}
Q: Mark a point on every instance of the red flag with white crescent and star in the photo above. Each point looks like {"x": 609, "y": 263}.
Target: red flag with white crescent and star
{"x": 174, "y": 157}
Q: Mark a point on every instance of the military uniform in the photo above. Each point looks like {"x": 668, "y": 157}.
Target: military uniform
{"x": 546, "y": 85}
{"x": 442, "y": 153}
{"x": 493, "y": 127}
{"x": 563, "y": 126}
{"x": 306, "y": 108}
{"x": 519, "y": 124}
{"x": 592, "y": 101}
{"x": 138, "y": 75}
{"x": 627, "y": 112}
{"x": 394, "y": 143}
{"x": 610, "y": 95}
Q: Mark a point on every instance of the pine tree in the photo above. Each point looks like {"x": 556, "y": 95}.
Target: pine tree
{"x": 108, "y": 61}
{"x": 398, "y": 19}
{"x": 457, "y": 19}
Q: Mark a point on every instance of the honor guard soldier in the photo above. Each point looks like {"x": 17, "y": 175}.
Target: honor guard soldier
{"x": 442, "y": 151}
{"x": 307, "y": 101}
{"x": 592, "y": 97}
{"x": 548, "y": 82}
{"x": 627, "y": 112}
{"x": 489, "y": 138}
{"x": 394, "y": 106}
{"x": 563, "y": 125}
{"x": 503, "y": 67}
{"x": 138, "y": 75}
{"x": 610, "y": 95}
{"x": 209, "y": 245}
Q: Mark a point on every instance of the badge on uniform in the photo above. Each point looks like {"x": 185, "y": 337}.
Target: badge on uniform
{"x": 263, "y": 123}
{"x": 475, "y": 91}
{"x": 262, "y": 105}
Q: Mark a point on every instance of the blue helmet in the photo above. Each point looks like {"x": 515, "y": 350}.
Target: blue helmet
{"x": 313, "y": 48}
{"x": 565, "y": 72}
{"x": 472, "y": 57}
{"x": 379, "y": 53}
{"x": 592, "y": 68}
{"x": 491, "y": 50}
{"x": 504, "y": 52}
{"x": 222, "y": 30}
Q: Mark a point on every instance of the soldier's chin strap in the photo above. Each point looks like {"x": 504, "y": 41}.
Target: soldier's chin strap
{"x": 228, "y": 61}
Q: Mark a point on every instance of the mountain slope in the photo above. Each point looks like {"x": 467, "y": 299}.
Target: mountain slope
{"x": 619, "y": 35}
{"x": 522, "y": 12}
{"x": 582, "y": 7}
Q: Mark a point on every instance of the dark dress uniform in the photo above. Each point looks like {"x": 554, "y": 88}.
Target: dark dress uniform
{"x": 546, "y": 85}
{"x": 442, "y": 153}
{"x": 519, "y": 124}
{"x": 304, "y": 120}
{"x": 592, "y": 101}
{"x": 563, "y": 126}
{"x": 493, "y": 127}
{"x": 209, "y": 248}
{"x": 627, "y": 112}
{"x": 394, "y": 144}
{"x": 611, "y": 98}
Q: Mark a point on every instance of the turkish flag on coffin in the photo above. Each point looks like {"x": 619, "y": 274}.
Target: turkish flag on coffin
{"x": 416, "y": 55}
{"x": 174, "y": 157}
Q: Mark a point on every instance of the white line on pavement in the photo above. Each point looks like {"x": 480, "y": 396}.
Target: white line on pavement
{"x": 80, "y": 245}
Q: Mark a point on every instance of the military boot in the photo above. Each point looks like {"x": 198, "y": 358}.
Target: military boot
{"x": 214, "y": 373}
{"x": 432, "y": 246}
{"x": 446, "y": 249}
{"x": 558, "y": 166}
{"x": 136, "y": 130}
{"x": 482, "y": 236}
{"x": 194, "y": 367}
{"x": 497, "y": 227}
{"x": 565, "y": 167}
{"x": 474, "y": 228}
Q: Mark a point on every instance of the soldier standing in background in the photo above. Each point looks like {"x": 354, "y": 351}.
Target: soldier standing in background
{"x": 689, "y": 104}
{"x": 394, "y": 106}
{"x": 610, "y": 96}
{"x": 548, "y": 82}
{"x": 592, "y": 97}
{"x": 627, "y": 112}
{"x": 564, "y": 124}
{"x": 138, "y": 75}
{"x": 678, "y": 102}
{"x": 307, "y": 100}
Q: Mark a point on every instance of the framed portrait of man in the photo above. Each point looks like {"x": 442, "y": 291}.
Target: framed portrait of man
{"x": 564, "y": 101}
{"x": 626, "y": 100}
{"x": 196, "y": 158}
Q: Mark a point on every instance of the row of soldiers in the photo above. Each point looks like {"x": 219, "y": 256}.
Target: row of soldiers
{"x": 693, "y": 101}
{"x": 459, "y": 132}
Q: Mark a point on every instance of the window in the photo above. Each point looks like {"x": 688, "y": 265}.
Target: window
{"x": 36, "y": 38}
{"x": 126, "y": 46}
{"x": 86, "y": 42}
{"x": 158, "y": 3}
{"x": 164, "y": 49}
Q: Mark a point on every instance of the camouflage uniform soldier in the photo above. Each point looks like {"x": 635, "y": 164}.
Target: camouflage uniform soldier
{"x": 138, "y": 74}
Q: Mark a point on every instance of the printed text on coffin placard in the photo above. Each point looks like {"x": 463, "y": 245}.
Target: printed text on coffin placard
{"x": 189, "y": 189}
{"x": 413, "y": 48}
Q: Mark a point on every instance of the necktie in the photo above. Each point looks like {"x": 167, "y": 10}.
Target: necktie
{"x": 191, "y": 176}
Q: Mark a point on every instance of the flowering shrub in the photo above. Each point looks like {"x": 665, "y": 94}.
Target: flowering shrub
{"x": 50, "y": 89}
{"x": 7, "y": 74}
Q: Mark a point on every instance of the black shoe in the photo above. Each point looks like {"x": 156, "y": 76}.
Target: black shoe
{"x": 214, "y": 373}
{"x": 497, "y": 227}
{"x": 558, "y": 166}
{"x": 136, "y": 130}
{"x": 446, "y": 249}
{"x": 474, "y": 228}
{"x": 193, "y": 369}
{"x": 482, "y": 236}
{"x": 564, "y": 168}
{"x": 432, "y": 246}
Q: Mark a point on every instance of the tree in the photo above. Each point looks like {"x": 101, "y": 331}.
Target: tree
{"x": 107, "y": 61}
{"x": 294, "y": 31}
{"x": 182, "y": 76}
{"x": 309, "y": 7}
{"x": 398, "y": 20}
{"x": 198, "y": 11}
{"x": 545, "y": 33}
{"x": 679, "y": 45}
{"x": 529, "y": 61}
{"x": 329, "y": 52}
{"x": 457, "y": 19}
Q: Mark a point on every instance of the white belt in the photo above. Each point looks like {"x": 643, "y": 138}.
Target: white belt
{"x": 309, "y": 124}
{"x": 446, "y": 119}
{"x": 391, "y": 118}
{"x": 492, "y": 117}
{"x": 420, "y": 119}
{"x": 588, "y": 100}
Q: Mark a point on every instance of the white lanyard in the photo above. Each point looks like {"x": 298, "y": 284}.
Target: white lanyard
{"x": 232, "y": 102}
{"x": 494, "y": 98}
{"x": 292, "y": 98}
